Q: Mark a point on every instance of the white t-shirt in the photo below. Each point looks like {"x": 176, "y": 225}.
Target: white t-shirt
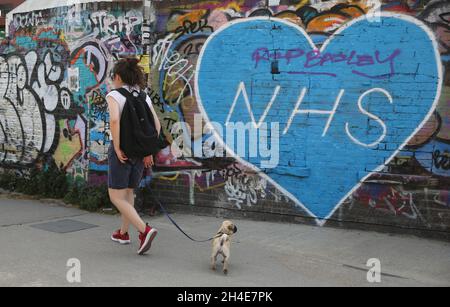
{"x": 121, "y": 100}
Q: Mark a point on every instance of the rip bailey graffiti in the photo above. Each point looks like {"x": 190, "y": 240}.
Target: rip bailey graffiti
{"x": 362, "y": 107}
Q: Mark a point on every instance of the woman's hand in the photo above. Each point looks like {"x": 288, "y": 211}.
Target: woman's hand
{"x": 121, "y": 155}
{"x": 148, "y": 162}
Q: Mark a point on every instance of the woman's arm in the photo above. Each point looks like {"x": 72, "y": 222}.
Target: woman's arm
{"x": 155, "y": 116}
{"x": 149, "y": 161}
{"x": 114, "y": 121}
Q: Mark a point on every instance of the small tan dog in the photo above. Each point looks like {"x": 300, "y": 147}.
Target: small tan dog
{"x": 221, "y": 245}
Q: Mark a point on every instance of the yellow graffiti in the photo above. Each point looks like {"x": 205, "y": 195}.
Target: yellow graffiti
{"x": 291, "y": 17}
{"x": 144, "y": 63}
{"x": 170, "y": 178}
{"x": 69, "y": 147}
{"x": 302, "y": 4}
{"x": 193, "y": 16}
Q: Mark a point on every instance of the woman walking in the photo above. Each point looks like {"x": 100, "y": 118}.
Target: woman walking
{"x": 125, "y": 173}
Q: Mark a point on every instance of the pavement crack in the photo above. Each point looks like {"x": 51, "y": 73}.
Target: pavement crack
{"x": 43, "y": 220}
{"x": 382, "y": 274}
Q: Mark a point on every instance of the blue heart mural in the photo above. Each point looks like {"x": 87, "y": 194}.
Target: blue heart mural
{"x": 344, "y": 110}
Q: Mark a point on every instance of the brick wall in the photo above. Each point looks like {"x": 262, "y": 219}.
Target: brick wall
{"x": 363, "y": 124}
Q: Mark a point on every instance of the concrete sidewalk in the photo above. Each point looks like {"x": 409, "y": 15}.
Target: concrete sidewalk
{"x": 263, "y": 254}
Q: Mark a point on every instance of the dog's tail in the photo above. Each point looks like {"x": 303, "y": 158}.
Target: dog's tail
{"x": 223, "y": 239}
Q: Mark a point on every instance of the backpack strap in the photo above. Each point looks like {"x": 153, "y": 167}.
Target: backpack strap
{"x": 124, "y": 92}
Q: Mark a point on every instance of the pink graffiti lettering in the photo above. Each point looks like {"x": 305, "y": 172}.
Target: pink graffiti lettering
{"x": 316, "y": 58}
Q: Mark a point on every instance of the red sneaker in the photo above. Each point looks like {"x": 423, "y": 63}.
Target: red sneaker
{"x": 121, "y": 238}
{"x": 146, "y": 239}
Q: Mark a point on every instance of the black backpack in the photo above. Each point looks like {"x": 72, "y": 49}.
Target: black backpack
{"x": 138, "y": 135}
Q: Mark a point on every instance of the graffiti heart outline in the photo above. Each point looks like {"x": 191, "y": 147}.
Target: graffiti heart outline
{"x": 321, "y": 221}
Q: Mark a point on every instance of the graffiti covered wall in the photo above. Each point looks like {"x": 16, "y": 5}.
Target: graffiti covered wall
{"x": 54, "y": 76}
{"x": 360, "y": 106}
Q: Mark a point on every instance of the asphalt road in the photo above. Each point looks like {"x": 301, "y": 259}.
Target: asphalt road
{"x": 263, "y": 254}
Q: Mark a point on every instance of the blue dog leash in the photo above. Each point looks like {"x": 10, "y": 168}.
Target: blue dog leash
{"x": 175, "y": 223}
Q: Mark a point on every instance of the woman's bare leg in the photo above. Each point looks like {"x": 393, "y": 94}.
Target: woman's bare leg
{"x": 125, "y": 222}
{"x": 120, "y": 199}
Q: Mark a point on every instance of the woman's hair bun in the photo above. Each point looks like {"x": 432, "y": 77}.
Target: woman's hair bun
{"x": 132, "y": 62}
{"x": 131, "y": 73}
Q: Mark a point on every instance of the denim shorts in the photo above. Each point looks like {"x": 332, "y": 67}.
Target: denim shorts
{"x": 123, "y": 176}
